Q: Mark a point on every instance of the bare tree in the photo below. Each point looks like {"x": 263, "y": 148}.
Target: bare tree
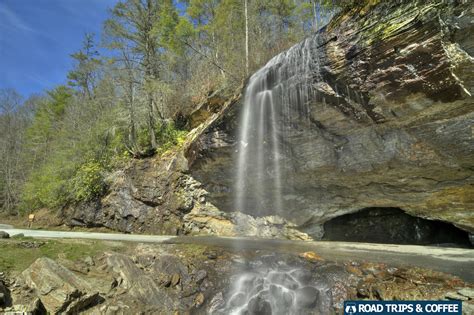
{"x": 13, "y": 121}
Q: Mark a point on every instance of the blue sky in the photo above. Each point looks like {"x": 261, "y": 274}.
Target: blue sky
{"x": 37, "y": 37}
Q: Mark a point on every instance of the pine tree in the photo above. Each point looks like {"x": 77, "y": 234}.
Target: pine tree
{"x": 144, "y": 28}
{"x": 85, "y": 74}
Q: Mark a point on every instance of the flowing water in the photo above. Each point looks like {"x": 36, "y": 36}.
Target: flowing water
{"x": 277, "y": 291}
{"x": 277, "y": 96}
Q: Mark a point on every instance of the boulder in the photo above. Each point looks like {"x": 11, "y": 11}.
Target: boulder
{"x": 32, "y": 306}
{"x": 4, "y": 294}
{"x": 137, "y": 283}
{"x": 207, "y": 219}
{"x": 59, "y": 290}
{"x": 307, "y": 297}
{"x": 4, "y": 234}
{"x": 259, "y": 305}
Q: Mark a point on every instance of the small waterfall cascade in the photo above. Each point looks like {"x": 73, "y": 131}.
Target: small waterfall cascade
{"x": 276, "y": 97}
{"x": 277, "y": 291}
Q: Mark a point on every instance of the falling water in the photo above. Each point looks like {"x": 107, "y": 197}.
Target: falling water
{"x": 276, "y": 106}
{"x": 278, "y": 291}
{"x": 277, "y": 96}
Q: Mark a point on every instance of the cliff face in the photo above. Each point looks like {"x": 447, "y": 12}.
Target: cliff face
{"x": 159, "y": 196}
{"x": 390, "y": 124}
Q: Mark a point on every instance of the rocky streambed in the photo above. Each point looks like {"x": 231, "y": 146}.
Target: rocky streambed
{"x": 124, "y": 278}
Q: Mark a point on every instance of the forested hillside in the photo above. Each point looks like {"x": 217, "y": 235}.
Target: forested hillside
{"x": 132, "y": 88}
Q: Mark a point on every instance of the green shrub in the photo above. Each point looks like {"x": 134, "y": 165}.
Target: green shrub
{"x": 49, "y": 187}
{"x": 44, "y": 188}
{"x": 88, "y": 182}
{"x": 169, "y": 136}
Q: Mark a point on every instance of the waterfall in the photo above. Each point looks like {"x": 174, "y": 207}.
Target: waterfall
{"x": 276, "y": 97}
{"x": 276, "y": 108}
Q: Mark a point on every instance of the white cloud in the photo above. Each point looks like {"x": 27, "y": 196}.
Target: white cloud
{"x": 9, "y": 19}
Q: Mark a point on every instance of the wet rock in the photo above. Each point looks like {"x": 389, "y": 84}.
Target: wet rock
{"x": 283, "y": 279}
{"x": 311, "y": 256}
{"x": 4, "y": 234}
{"x": 259, "y": 306}
{"x": 354, "y": 270}
{"x": 335, "y": 282}
{"x": 217, "y": 303}
{"x": 301, "y": 275}
{"x": 200, "y": 276}
{"x": 211, "y": 255}
{"x": 59, "y": 289}
{"x": 282, "y": 300}
{"x": 307, "y": 297}
{"x": 237, "y": 300}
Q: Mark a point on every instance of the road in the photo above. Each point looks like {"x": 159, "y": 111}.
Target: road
{"x": 457, "y": 261}
{"x": 86, "y": 235}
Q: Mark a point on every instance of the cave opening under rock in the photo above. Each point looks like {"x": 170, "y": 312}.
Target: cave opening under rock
{"x": 393, "y": 226}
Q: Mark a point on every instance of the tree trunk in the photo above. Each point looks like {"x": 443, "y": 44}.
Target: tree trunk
{"x": 246, "y": 38}
{"x": 151, "y": 121}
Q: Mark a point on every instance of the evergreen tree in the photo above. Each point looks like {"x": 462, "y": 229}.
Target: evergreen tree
{"x": 145, "y": 28}
{"x": 85, "y": 74}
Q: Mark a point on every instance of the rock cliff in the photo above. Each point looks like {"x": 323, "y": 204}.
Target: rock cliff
{"x": 390, "y": 124}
